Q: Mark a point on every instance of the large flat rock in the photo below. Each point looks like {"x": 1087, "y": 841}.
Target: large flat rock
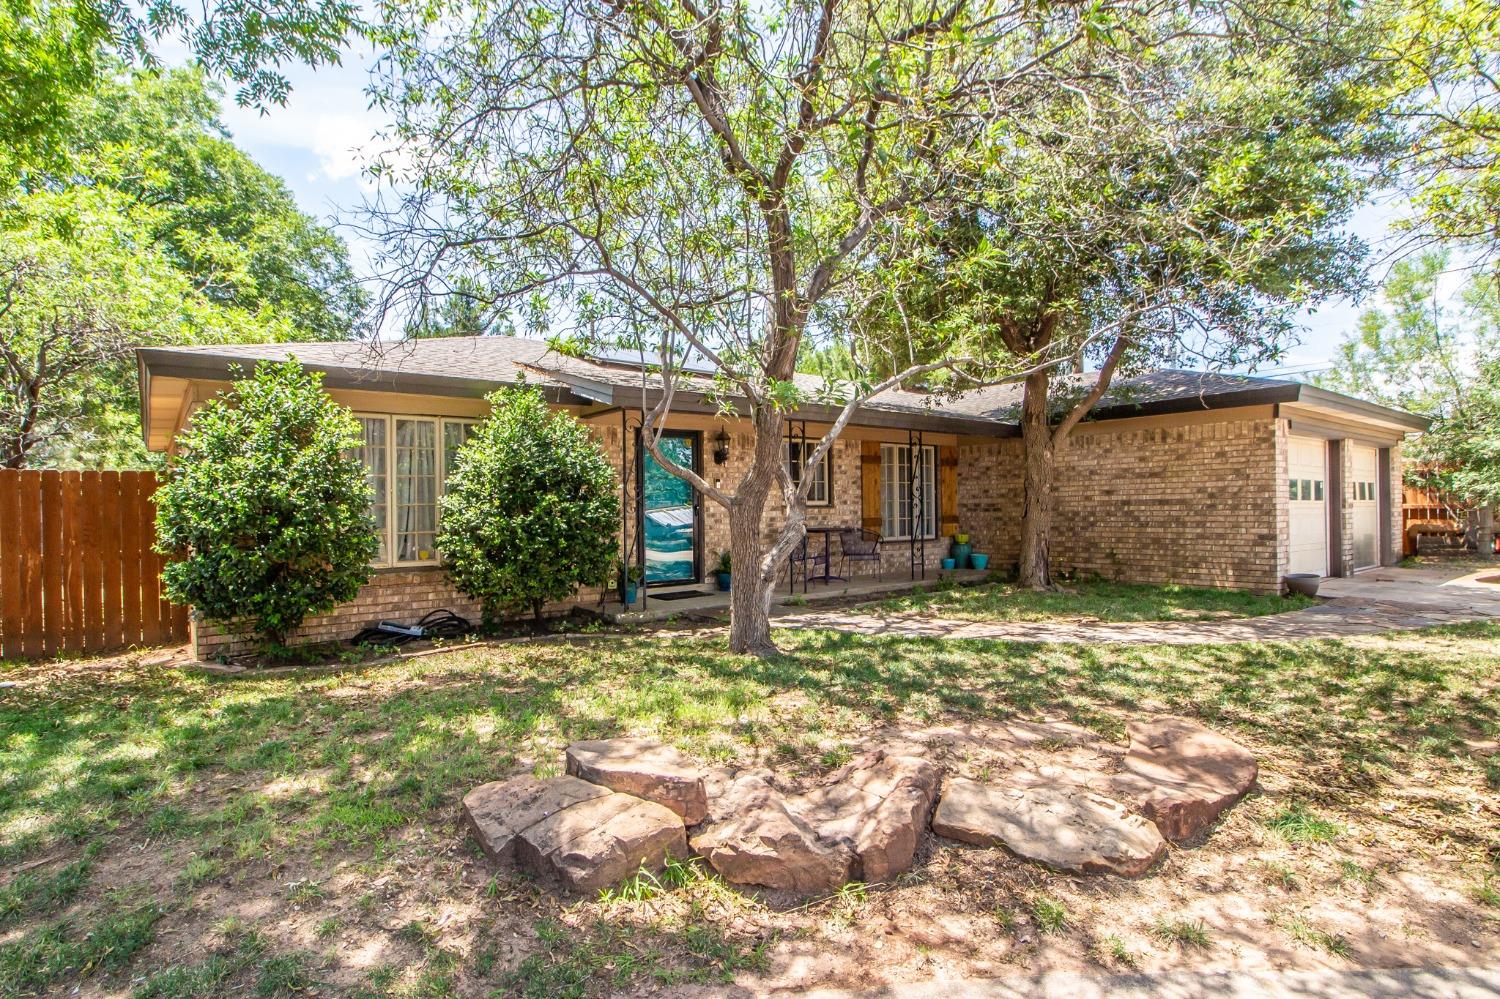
{"x": 498, "y": 812}
{"x": 1193, "y": 774}
{"x": 601, "y": 841}
{"x": 1068, "y": 828}
{"x": 878, "y": 808}
{"x": 760, "y": 841}
{"x": 645, "y": 768}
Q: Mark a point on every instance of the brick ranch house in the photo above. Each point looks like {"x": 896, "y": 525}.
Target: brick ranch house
{"x": 1177, "y": 476}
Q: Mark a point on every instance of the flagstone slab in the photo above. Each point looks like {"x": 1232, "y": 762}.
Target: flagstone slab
{"x": 1193, "y": 773}
{"x": 498, "y": 812}
{"x": 1067, "y": 828}
{"x": 645, "y": 768}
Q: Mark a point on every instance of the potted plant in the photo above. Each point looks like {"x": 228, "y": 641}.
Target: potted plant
{"x": 721, "y": 572}
{"x": 633, "y": 576}
{"x": 959, "y": 550}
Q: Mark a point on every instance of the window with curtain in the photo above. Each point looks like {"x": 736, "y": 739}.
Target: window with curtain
{"x": 407, "y": 461}
{"x": 416, "y": 469}
{"x": 908, "y": 494}
{"x": 455, "y": 434}
{"x": 820, "y": 493}
{"x": 373, "y": 453}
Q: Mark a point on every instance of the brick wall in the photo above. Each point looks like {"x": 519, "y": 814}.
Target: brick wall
{"x": 1195, "y": 504}
{"x": 402, "y": 595}
{"x": 1392, "y": 555}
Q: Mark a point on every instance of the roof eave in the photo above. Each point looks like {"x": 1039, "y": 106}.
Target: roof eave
{"x": 179, "y": 364}
{"x": 1412, "y": 422}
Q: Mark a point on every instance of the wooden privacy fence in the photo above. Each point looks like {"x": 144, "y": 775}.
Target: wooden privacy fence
{"x": 77, "y": 570}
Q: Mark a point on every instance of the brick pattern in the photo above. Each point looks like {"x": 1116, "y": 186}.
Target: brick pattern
{"x": 1195, "y": 504}
{"x": 1392, "y": 554}
{"x": 402, "y": 595}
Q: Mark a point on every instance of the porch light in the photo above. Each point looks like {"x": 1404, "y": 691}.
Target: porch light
{"x": 721, "y": 446}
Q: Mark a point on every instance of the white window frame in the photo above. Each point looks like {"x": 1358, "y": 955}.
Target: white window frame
{"x": 804, "y": 448}
{"x": 891, "y": 479}
{"x": 388, "y": 529}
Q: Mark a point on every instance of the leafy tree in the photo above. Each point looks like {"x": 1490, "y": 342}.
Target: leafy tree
{"x": 266, "y": 515}
{"x": 1180, "y": 218}
{"x": 1421, "y": 353}
{"x": 459, "y": 310}
{"x": 704, "y": 182}
{"x": 79, "y": 283}
{"x": 52, "y": 51}
{"x": 224, "y": 220}
{"x": 158, "y": 231}
{"x": 531, "y": 509}
{"x": 1447, "y": 57}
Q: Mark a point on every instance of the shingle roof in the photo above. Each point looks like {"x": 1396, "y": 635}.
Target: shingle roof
{"x": 478, "y": 364}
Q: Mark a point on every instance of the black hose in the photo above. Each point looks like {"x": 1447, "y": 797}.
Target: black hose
{"x": 435, "y": 624}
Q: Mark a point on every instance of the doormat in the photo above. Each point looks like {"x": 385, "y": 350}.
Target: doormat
{"x": 676, "y": 595}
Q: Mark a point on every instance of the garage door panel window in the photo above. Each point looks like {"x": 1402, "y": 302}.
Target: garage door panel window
{"x": 1306, "y": 490}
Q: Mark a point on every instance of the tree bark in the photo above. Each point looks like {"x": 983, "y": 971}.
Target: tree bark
{"x": 754, "y": 569}
{"x": 1038, "y": 453}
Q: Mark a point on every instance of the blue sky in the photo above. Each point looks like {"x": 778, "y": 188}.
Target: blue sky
{"x": 319, "y": 141}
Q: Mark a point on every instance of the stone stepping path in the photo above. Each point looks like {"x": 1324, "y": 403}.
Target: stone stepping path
{"x": 632, "y": 803}
{"x": 1367, "y": 604}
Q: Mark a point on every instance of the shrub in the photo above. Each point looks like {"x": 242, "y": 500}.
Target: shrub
{"x": 266, "y": 515}
{"x": 531, "y": 510}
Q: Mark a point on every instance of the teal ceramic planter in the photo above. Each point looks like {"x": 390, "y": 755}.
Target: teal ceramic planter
{"x": 723, "y": 581}
{"x": 949, "y": 564}
{"x": 960, "y": 554}
{"x": 980, "y": 562}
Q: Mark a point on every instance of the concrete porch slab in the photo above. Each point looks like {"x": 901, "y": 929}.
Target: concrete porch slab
{"x": 709, "y": 601}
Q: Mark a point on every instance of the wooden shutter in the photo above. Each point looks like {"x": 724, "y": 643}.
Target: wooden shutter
{"x": 948, "y": 490}
{"x": 869, "y": 485}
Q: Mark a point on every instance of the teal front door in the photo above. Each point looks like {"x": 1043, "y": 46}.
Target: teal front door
{"x": 671, "y": 530}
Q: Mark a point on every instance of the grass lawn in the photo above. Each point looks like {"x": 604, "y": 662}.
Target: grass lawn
{"x": 173, "y": 834}
{"x": 1094, "y": 600}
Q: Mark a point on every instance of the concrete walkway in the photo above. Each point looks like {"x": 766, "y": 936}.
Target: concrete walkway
{"x": 1394, "y": 983}
{"x": 1375, "y": 601}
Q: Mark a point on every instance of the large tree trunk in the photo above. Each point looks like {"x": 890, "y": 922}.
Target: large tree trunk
{"x": 752, "y": 581}
{"x": 1038, "y": 454}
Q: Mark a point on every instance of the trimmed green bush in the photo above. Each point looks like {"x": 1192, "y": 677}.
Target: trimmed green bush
{"x": 531, "y": 510}
{"x": 266, "y": 515}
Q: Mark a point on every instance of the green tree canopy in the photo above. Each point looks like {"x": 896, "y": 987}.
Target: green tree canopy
{"x": 158, "y": 231}
{"x": 1422, "y": 352}
{"x": 53, "y": 51}
{"x": 225, "y": 221}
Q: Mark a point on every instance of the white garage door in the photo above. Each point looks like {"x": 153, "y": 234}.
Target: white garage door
{"x": 1307, "y": 471}
{"x": 1364, "y": 504}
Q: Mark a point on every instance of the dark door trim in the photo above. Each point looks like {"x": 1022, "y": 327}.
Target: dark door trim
{"x": 696, "y": 437}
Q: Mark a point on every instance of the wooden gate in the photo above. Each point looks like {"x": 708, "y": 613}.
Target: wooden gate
{"x": 77, "y": 569}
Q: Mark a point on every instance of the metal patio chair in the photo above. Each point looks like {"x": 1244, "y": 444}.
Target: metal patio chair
{"x": 803, "y": 558}
{"x": 858, "y": 544}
